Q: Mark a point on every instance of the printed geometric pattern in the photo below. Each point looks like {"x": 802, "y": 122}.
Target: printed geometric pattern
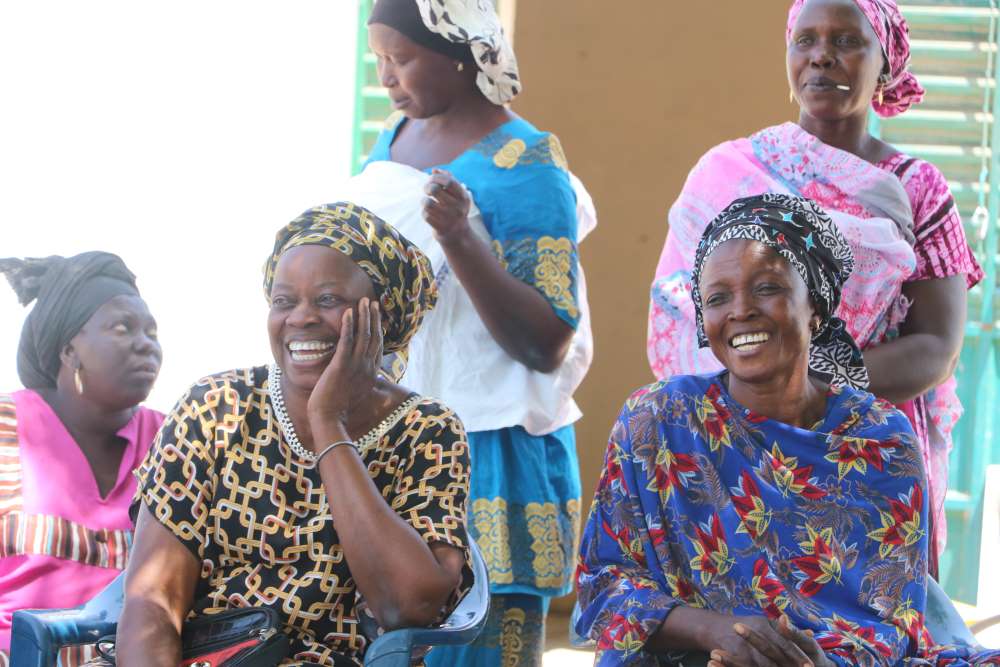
{"x": 221, "y": 477}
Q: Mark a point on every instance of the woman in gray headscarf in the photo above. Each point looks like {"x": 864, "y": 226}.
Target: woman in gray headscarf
{"x": 69, "y": 441}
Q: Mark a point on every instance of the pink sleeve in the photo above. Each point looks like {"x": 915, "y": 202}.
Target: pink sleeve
{"x": 942, "y": 249}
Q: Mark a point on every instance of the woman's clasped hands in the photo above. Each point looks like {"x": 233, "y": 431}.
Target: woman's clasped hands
{"x": 755, "y": 641}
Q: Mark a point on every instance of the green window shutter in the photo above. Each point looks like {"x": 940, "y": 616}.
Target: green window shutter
{"x": 954, "y": 46}
{"x": 371, "y": 102}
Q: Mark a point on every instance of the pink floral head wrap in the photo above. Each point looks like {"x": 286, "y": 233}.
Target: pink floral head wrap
{"x": 902, "y": 90}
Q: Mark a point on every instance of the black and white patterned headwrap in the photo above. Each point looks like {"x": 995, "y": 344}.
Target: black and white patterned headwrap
{"x": 801, "y": 232}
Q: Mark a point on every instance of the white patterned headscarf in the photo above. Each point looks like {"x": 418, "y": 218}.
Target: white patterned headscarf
{"x": 468, "y": 30}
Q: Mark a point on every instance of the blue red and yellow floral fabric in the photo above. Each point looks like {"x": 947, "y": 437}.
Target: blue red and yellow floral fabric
{"x": 704, "y": 503}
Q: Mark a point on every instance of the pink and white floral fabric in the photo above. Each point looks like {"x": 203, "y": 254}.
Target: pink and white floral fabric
{"x": 869, "y": 203}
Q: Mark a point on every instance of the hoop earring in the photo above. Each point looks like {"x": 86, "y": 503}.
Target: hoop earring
{"x": 78, "y": 381}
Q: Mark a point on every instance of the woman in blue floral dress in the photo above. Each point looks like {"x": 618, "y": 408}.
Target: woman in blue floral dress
{"x": 774, "y": 513}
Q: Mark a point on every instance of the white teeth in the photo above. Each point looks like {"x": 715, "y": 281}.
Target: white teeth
{"x": 305, "y": 356}
{"x": 303, "y": 345}
{"x": 752, "y": 339}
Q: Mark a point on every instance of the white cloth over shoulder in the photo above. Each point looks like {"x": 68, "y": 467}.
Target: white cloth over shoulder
{"x": 453, "y": 357}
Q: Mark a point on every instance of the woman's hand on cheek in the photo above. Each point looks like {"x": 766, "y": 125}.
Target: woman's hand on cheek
{"x": 447, "y": 206}
{"x": 350, "y": 376}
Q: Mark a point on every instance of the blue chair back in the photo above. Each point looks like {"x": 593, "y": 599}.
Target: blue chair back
{"x": 37, "y": 635}
{"x": 393, "y": 649}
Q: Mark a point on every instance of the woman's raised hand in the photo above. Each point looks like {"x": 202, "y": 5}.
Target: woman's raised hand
{"x": 754, "y": 641}
{"x": 350, "y": 376}
{"x": 446, "y": 208}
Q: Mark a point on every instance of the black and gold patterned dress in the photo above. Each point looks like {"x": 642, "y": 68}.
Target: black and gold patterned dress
{"x": 222, "y": 479}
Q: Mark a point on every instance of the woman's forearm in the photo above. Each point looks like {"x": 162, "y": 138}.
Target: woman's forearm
{"x": 926, "y": 352}
{"x": 392, "y": 565}
{"x": 147, "y": 637}
{"x": 908, "y": 367}
{"x": 518, "y": 317}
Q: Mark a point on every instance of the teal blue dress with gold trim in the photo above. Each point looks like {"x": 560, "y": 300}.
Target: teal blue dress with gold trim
{"x": 524, "y": 502}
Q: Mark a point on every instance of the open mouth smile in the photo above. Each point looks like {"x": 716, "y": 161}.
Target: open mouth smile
{"x": 749, "y": 342}
{"x": 310, "y": 350}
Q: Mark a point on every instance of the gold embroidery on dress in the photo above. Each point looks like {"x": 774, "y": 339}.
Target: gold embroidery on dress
{"x": 511, "y": 643}
{"x": 557, "y": 154}
{"x": 552, "y": 273}
{"x": 490, "y": 519}
{"x": 543, "y": 526}
{"x": 498, "y": 251}
{"x": 507, "y": 157}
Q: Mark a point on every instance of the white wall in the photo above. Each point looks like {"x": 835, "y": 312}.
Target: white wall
{"x": 180, "y": 135}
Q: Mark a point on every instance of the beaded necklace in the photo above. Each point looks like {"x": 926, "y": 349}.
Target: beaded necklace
{"x": 288, "y": 429}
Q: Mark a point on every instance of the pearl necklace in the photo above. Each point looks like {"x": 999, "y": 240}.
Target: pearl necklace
{"x": 288, "y": 429}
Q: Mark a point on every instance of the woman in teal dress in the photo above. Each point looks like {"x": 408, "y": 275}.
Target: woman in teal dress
{"x": 490, "y": 200}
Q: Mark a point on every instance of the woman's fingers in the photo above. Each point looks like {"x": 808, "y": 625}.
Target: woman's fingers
{"x": 345, "y": 344}
{"x": 802, "y": 638}
{"x": 443, "y": 186}
{"x": 375, "y": 343}
{"x": 775, "y": 648}
{"x": 360, "y": 351}
{"x": 727, "y": 659}
{"x": 445, "y": 201}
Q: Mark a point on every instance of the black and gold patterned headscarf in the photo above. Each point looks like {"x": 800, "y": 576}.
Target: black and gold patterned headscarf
{"x": 802, "y": 233}
{"x": 401, "y": 274}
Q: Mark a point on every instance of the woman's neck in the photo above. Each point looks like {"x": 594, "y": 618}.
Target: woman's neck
{"x": 848, "y": 134}
{"x": 87, "y": 421}
{"x": 799, "y": 401}
{"x": 468, "y": 113}
{"x": 385, "y": 397}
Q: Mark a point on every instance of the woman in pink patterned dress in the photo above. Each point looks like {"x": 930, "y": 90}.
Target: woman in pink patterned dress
{"x": 906, "y": 302}
{"x": 69, "y": 442}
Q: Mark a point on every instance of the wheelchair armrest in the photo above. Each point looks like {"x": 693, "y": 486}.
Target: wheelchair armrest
{"x": 37, "y": 635}
{"x": 394, "y": 648}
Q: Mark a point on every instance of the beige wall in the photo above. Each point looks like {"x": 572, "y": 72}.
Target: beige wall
{"x": 637, "y": 91}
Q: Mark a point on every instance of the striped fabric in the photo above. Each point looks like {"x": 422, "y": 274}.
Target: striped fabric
{"x": 24, "y": 534}
{"x": 40, "y": 535}
{"x": 10, "y": 462}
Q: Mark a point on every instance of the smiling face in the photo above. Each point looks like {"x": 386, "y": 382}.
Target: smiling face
{"x": 117, "y": 352}
{"x": 833, "y": 44}
{"x": 421, "y": 83}
{"x": 757, "y": 312}
{"x": 313, "y": 287}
